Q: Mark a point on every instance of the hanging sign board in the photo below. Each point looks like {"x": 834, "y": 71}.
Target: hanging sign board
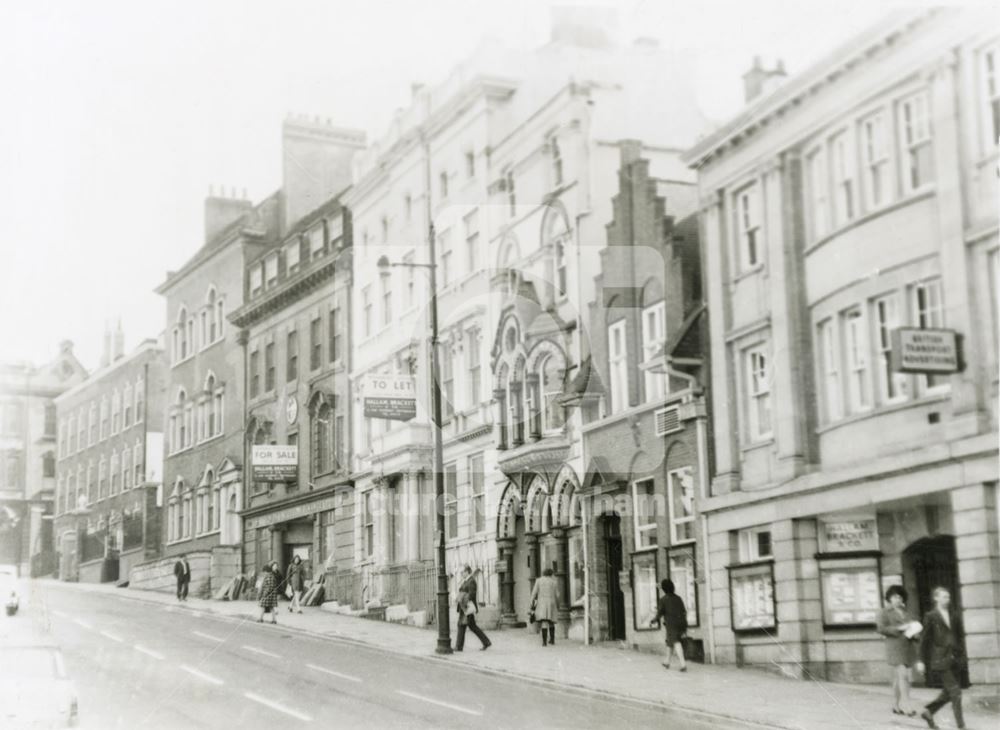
{"x": 393, "y": 397}
{"x": 928, "y": 351}
{"x": 275, "y": 463}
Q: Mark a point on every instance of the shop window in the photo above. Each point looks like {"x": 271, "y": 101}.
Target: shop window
{"x": 751, "y": 588}
{"x": 644, "y": 593}
{"x": 681, "y": 570}
{"x": 850, "y": 589}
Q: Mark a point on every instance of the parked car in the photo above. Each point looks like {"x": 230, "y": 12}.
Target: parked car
{"x": 8, "y": 589}
{"x": 35, "y": 691}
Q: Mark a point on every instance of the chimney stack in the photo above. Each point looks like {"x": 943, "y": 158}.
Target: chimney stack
{"x": 106, "y": 346}
{"x": 759, "y": 80}
{"x": 119, "y": 342}
{"x": 221, "y": 211}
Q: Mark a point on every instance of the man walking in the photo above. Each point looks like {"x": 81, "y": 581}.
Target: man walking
{"x": 674, "y": 615}
{"x": 468, "y": 607}
{"x": 941, "y": 653}
{"x": 182, "y": 572}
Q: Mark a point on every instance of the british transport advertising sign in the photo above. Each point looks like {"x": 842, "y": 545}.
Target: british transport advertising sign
{"x": 929, "y": 351}
{"x": 393, "y": 397}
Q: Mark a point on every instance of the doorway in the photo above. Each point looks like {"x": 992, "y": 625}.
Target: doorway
{"x": 613, "y": 561}
{"x": 933, "y": 562}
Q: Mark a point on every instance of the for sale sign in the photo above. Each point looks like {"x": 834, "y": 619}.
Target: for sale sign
{"x": 393, "y": 397}
{"x": 275, "y": 463}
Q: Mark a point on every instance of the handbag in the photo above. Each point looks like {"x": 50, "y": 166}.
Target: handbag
{"x": 288, "y": 591}
{"x": 470, "y": 609}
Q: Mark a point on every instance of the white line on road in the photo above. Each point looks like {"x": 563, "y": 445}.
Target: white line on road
{"x": 456, "y": 708}
{"x": 208, "y": 636}
{"x": 148, "y": 652}
{"x": 113, "y": 637}
{"x": 83, "y": 624}
{"x": 332, "y": 673}
{"x": 201, "y": 675}
{"x": 60, "y": 614}
{"x": 264, "y": 652}
{"x": 275, "y": 706}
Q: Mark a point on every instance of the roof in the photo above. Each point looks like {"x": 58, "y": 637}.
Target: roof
{"x": 824, "y": 71}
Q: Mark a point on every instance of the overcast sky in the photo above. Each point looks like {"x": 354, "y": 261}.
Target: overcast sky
{"x": 117, "y": 117}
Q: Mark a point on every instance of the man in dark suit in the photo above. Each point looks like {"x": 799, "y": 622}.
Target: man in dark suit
{"x": 182, "y": 572}
{"x": 468, "y": 607}
{"x": 941, "y": 653}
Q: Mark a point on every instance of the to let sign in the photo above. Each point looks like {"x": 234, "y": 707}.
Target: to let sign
{"x": 393, "y": 397}
{"x": 917, "y": 350}
{"x": 275, "y": 463}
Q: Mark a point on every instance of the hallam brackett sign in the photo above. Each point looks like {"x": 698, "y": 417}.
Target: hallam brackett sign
{"x": 272, "y": 463}
{"x": 393, "y": 397}
{"x": 917, "y": 350}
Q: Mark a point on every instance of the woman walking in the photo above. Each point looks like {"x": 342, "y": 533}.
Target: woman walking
{"x": 896, "y": 625}
{"x": 674, "y": 615}
{"x": 295, "y": 579}
{"x": 544, "y": 604}
{"x": 268, "y": 599}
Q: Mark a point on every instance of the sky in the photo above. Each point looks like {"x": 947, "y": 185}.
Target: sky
{"x": 118, "y": 116}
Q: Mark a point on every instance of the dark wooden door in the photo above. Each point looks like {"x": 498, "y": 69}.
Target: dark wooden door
{"x": 935, "y": 563}
{"x": 616, "y": 599}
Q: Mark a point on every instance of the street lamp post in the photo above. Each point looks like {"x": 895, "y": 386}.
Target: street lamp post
{"x": 384, "y": 266}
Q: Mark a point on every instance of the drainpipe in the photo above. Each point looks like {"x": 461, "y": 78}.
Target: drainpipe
{"x": 243, "y": 338}
{"x": 703, "y": 483}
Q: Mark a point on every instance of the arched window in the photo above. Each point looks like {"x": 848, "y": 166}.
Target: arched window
{"x": 179, "y": 531}
{"x": 209, "y": 507}
{"x": 126, "y": 468}
{"x": 550, "y": 377}
{"x": 555, "y": 239}
{"x": 104, "y": 417}
{"x": 127, "y": 406}
{"x": 102, "y": 478}
{"x": 322, "y": 438}
{"x": 178, "y": 430}
{"x": 116, "y": 408}
{"x": 115, "y": 473}
{"x": 140, "y": 399}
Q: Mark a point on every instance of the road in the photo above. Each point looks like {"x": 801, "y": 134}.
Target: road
{"x": 143, "y": 665}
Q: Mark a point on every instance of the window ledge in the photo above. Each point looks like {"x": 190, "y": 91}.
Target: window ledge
{"x": 181, "y": 362}
{"x": 908, "y": 199}
{"x": 759, "y": 268}
{"x": 928, "y": 399}
{"x": 755, "y": 445}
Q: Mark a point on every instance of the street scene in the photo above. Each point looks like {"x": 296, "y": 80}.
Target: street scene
{"x": 535, "y": 365}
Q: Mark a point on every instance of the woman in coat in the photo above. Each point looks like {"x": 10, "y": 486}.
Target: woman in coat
{"x": 295, "y": 579}
{"x": 544, "y": 604}
{"x": 674, "y": 614}
{"x": 900, "y": 651}
{"x": 268, "y": 599}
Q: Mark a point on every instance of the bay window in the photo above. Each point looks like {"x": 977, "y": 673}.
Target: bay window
{"x": 830, "y": 370}
{"x": 820, "y": 211}
{"x": 875, "y": 153}
{"x": 841, "y": 156}
{"x": 891, "y": 385}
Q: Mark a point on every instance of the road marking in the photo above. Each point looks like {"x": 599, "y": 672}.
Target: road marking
{"x": 264, "y": 652}
{"x": 275, "y": 706}
{"x": 113, "y": 637}
{"x": 148, "y": 652}
{"x": 201, "y": 675}
{"x": 208, "y": 636}
{"x": 83, "y": 624}
{"x": 60, "y": 614}
{"x": 456, "y": 708}
{"x": 332, "y": 673}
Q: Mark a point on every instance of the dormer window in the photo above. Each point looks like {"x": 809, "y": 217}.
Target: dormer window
{"x": 256, "y": 280}
{"x": 271, "y": 271}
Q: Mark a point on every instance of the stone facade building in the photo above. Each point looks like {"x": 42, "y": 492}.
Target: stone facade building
{"x": 864, "y": 220}
{"x": 110, "y": 467}
{"x": 296, "y": 336}
{"x": 28, "y": 455}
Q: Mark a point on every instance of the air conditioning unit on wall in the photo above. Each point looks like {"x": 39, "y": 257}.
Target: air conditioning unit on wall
{"x": 668, "y": 420}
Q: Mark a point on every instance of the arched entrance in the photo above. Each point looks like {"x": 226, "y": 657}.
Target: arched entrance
{"x": 928, "y": 563}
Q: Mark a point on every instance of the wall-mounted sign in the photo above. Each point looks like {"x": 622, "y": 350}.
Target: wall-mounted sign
{"x": 275, "y": 463}
{"x": 393, "y": 397}
{"x": 291, "y": 513}
{"x": 850, "y": 591}
{"x": 847, "y": 534}
{"x": 917, "y": 350}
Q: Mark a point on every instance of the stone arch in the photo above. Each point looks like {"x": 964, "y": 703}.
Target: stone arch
{"x": 555, "y": 223}
{"x": 566, "y": 486}
{"x": 652, "y": 291}
{"x": 537, "y": 507}
{"x": 508, "y": 510}
{"x": 544, "y": 348}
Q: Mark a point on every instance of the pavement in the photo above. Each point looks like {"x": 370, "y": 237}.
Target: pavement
{"x": 590, "y": 686}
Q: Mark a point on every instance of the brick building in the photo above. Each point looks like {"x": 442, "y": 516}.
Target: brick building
{"x": 110, "y": 467}
{"x": 645, "y": 432}
{"x": 866, "y": 218}
{"x": 28, "y": 457}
